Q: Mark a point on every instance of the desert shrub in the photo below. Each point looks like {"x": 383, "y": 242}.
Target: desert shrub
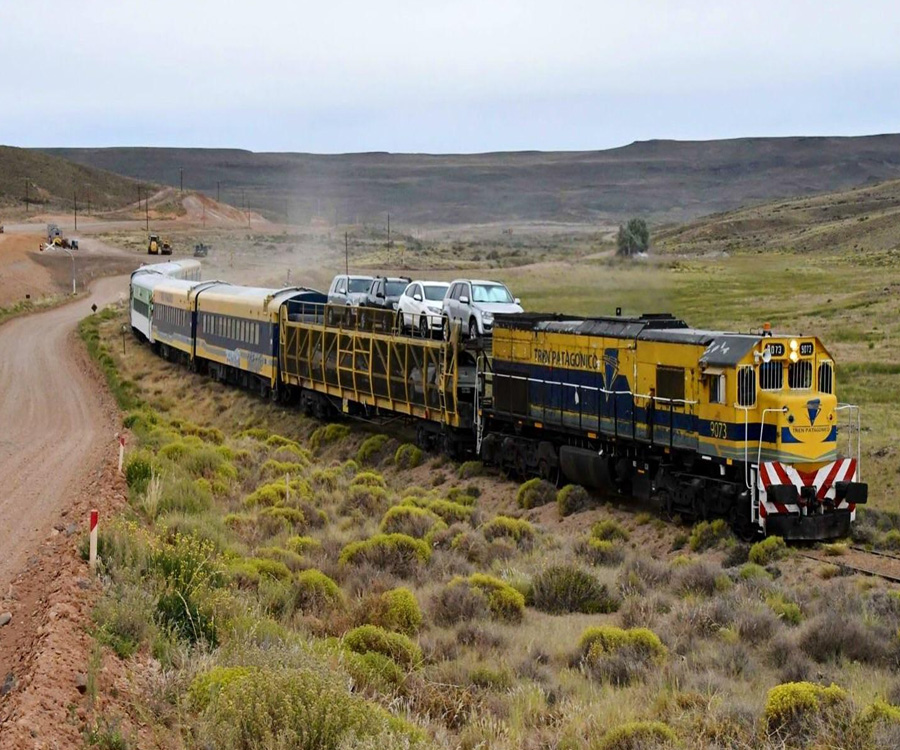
{"x": 566, "y": 588}
{"x": 708, "y": 534}
{"x": 639, "y": 572}
{"x": 786, "y": 611}
{"x": 373, "y": 671}
{"x": 329, "y": 433}
{"x": 184, "y": 495}
{"x": 696, "y": 578}
{"x": 891, "y": 540}
{"x": 736, "y": 554}
{"x": 605, "y": 639}
{"x": 289, "y": 558}
{"x": 206, "y": 685}
{"x": 395, "y": 646}
{"x": 302, "y": 544}
{"x": 187, "y": 569}
{"x": 570, "y": 499}
{"x": 406, "y": 519}
{"x": 368, "y": 479}
{"x": 266, "y": 495}
{"x": 504, "y": 602}
{"x": 138, "y": 470}
{"x": 451, "y": 512}
{"x": 600, "y": 551}
{"x": 470, "y": 469}
{"x": 789, "y": 705}
{"x": 304, "y": 709}
{"x": 767, "y": 551}
{"x": 123, "y": 621}
{"x": 397, "y": 553}
{"x": 396, "y": 610}
{"x": 326, "y": 478}
{"x": 756, "y": 625}
{"x": 834, "y": 635}
{"x": 454, "y": 604}
{"x": 517, "y": 529}
{"x": 238, "y": 521}
{"x": 464, "y": 495}
{"x": 365, "y": 498}
{"x": 753, "y": 572}
{"x": 293, "y": 517}
{"x": 206, "y": 461}
{"x": 491, "y": 679}
{"x": 316, "y": 592}
{"x": 408, "y": 456}
{"x": 268, "y": 568}
{"x": 534, "y": 493}
{"x": 371, "y": 448}
{"x": 273, "y": 468}
{"x": 617, "y": 656}
{"x": 637, "y": 735}
{"x": 609, "y": 530}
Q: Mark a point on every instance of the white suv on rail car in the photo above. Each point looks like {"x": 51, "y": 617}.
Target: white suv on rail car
{"x": 474, "y": 303}
{"x": 420, "y": 306}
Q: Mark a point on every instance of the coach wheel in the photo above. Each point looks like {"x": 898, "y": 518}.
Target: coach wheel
{"x": 424, "y": 331}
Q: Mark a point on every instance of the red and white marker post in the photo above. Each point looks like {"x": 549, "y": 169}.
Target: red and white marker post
{"x": 92, "y": 557}
{"x": 121, "y": 452}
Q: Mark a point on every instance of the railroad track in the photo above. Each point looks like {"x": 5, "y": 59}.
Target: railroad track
{"x": 881, "y": 564}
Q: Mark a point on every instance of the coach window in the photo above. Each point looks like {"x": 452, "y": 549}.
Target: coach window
{"x": 746, "y": 386}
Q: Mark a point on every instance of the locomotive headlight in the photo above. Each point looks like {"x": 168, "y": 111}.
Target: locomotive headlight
{"x": 794, "y": 346}
{"x": 794, "y": 356}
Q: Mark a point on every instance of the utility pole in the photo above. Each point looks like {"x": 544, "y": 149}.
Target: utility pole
{"x": 218, "y": 184}
{"x": 26, "y": 195}
{"x": 182, "y": 179}
{"x": 72, "y": 256}
{"x": 389, "y": 230}
{"x": 347, "y": 253}
{"x": 147, "y": 211}
{"x": 75, "y": 201}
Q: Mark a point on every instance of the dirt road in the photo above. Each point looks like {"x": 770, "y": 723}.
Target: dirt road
{"x": 53, "y": 428}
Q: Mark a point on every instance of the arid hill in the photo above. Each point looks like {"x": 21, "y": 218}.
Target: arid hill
{"x": 666, "y": 181}
{"x": 53, "y": 182}
{"x": 861, "y": 219}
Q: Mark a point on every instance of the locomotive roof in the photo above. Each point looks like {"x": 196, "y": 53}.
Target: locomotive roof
{"x": 722, "y": 348}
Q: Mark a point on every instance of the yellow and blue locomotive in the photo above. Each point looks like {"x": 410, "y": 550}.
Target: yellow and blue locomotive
{"x": 710, "y": 423}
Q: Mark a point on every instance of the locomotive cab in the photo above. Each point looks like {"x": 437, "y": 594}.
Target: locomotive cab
{"x": 806, "y": 487}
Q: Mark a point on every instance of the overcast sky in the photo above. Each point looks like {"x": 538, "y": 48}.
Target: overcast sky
{"x": 442, "y": 76}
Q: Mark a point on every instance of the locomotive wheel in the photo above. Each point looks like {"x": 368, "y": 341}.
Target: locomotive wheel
{"x": 548, "y": 473}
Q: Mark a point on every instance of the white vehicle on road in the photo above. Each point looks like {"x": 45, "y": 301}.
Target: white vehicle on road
{"x": 473, "y": 303}
{"x": 420, "y": 306}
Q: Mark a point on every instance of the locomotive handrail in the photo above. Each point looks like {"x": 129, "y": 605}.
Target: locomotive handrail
{"x": 762, "y": 425}
{"x": 851, "y": 408}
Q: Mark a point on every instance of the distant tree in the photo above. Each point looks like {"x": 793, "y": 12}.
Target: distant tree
{"x": 634, "y": 237}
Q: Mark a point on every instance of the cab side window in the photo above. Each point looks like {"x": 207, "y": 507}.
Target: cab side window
{"x": 717, "y": 389}
{"x": 746, "y": 386}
